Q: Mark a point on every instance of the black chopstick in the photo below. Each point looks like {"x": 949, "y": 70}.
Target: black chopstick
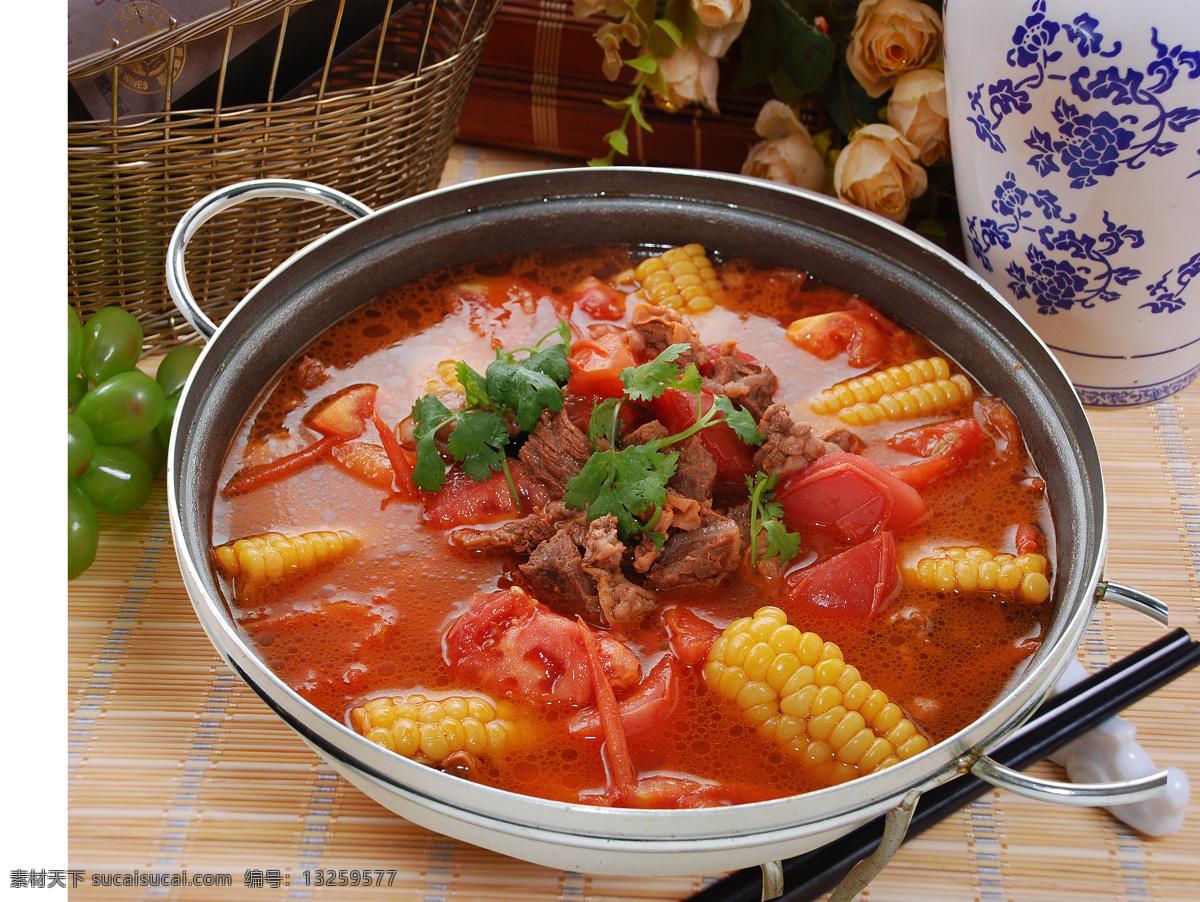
{"x": 1062, "y": 718}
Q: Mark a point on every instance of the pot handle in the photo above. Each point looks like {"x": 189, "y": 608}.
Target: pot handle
{"x": 206, "y": 208}
{"x": 1105, "y": 795}
{"x": 1118, "y": 792}
{"x": 1134, "y": 600}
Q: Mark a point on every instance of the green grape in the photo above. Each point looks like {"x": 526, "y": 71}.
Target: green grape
{"x": 112, "y": 343}
{"x": 168, "y": 417}
{"x": 80, "y": 445}
{"x": 74, "y": 343}
{"x": 123, "y": 408}
{"x": 118, "y": 481}
{"x": 83, "y": 531}
{"x": 76, "y": 390}
{"x": 150, "y": 449}
{"x": 174, "y": 369}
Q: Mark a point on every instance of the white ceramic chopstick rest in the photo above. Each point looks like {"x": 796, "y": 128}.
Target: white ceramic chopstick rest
{"x": 1111, "y": 752}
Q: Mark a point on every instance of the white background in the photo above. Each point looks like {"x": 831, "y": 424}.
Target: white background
{"x": 32, "y": 348}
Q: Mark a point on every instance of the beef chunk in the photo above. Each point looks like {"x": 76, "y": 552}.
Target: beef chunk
{"x": 681, "y": 512}
{"x": 843, "y": 439}
{"x": 555, "y": 451}
{"x": 696, "y": 471}
{"x": 678, "y": 512}
{"x": 520, "y": 536}
{"x": 622, "y": 601}
{"x": 747, "y": 383}
{"x": 657, "y": 328}
{"x": 647, "y": 432}
{"x": 702, "y": 556}
{"x": 556, "y": 574}
{"x": 790, "y": 447}
{"x": 740, "y": 515}
{"x": 310, "y": 372}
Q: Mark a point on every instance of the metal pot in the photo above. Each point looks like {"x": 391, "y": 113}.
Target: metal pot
{"x": 907, "y": 277}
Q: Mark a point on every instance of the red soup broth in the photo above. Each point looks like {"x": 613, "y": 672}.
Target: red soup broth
{"x": 374, "y": 622}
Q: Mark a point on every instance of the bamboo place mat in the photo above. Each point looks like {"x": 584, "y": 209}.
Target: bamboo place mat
{"x": 175, "y": 767}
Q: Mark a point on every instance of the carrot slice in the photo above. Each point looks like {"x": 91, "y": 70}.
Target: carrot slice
{"x": 622, "y": 776}
{"x": 252, "y": 478}
{"x": 402, "y": 463}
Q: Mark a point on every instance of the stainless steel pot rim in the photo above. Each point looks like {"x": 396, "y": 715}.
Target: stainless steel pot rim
{"x": 878, "y": 791}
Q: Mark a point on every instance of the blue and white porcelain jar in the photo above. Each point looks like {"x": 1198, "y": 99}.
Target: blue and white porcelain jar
{"x": 1075, "y": 129}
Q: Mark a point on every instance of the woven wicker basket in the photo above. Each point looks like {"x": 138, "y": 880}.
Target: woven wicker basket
{"x": 377, "y": 125}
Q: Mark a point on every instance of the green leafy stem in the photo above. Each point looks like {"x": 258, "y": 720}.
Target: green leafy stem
{"x": 657, "y": 38}
{"x": 513, "y": 388}
{"x": 766, "y": 515}
{"x": 631, "y": 482}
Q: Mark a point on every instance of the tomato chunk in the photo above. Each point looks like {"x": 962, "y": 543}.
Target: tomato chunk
{"x": 647, "y": 706}
{"x": 999, "y": 423}
{"x": 343, "y": 414}
{"x": 735, "y": 459}
{"x": 828, "y": 334}
{"x": 510, "y": 644}
{"x": 858, "y": 582}
{"x": 462, "y": 500}
{"x": 597, "y": 300}
{"x": 690, "y": 635}
{"x": 366, "y": 461}
{"x": 851, "y": 494}
{"x": 1029, "y": 539}
{"x": 946, "y": 447}
{"x": 596, "y": 366}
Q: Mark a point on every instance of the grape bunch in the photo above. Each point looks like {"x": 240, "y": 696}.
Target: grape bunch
{"x": 118, "y": 423}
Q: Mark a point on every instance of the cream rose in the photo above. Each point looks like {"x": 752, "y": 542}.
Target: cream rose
{"x": 917, "y": 109}
{"x": 715, "y": 13}
{"x": 691, "y": 77}
{"x": 721, "y": 23}
{"x": 786, "y": 154}
{"x": 717, "y": 41}
{"x": 877, "y": 171}
{"x": 891, "y": 37}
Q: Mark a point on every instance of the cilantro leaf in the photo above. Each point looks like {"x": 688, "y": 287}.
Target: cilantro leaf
{"x": 780, "y": 542}
{"x": 525, "y": 391}
{"x": 767, "y": 514}
{"x": 740, "y": 421}
{"x": 624, "y": 483}
{"x": 631, "y": 481}
{"x": 478, "y": 441}
{"x": 648, "y": 381}
{"x": 521, "y": 389}
{"x": 605, "y": 422}
{"x": 429, "y": 415}
{"x": 551, "y": 362}
{"x": 474, "y": 385}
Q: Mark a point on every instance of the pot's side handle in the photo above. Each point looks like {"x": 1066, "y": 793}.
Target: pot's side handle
{"x": 206, "y": 208}
{"x": 1105, "y": 795}
{"x": 1134, "y": 600}
{"x": 1118, "y": 792}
